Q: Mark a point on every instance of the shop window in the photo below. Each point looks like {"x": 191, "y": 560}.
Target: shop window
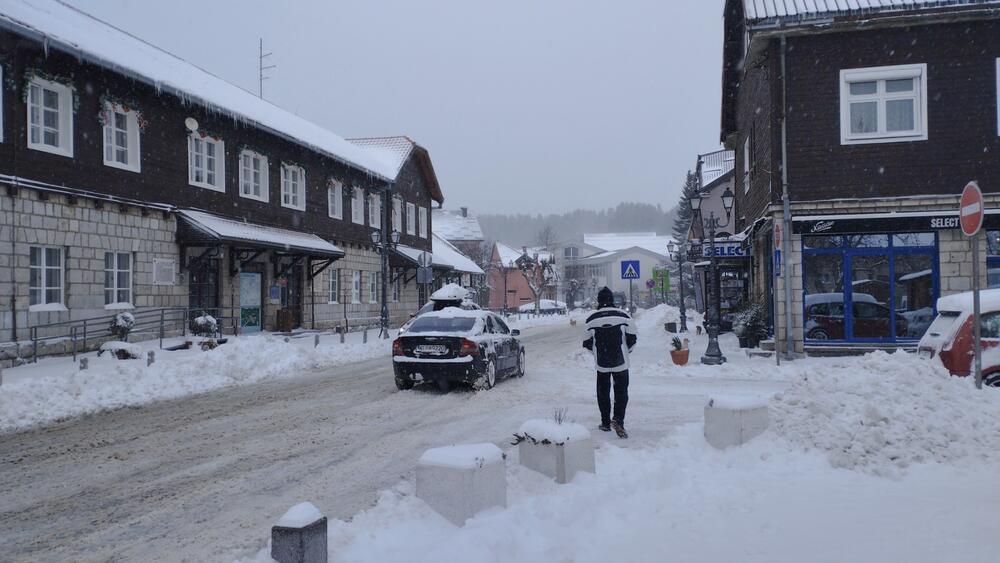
{"x": 117, "y": 279}
{"x": 993, "y": 259}
{"x": 817, "y": 241}
{"x": 45, "y": 277}
{"x": 913, "y": 239}
{"x": 868, "y": 241}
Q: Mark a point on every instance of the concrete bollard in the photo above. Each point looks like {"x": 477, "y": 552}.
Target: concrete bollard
{"x": 1, "y": 376}
{"x": 460, "y": 481}
{"x": 150, "y": 358}
{"x": 341, "y": 336}
{"x": 559, "y": 450}
{"x": 316, "y": 340}
{"x": 364, "y": 337}
{"x": 83, "y": 363}
{"x": 734, "y": 421}
{"x": 300, "y": 536}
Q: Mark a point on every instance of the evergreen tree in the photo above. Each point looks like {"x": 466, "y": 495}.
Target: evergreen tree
{"x": 684, "y": 215}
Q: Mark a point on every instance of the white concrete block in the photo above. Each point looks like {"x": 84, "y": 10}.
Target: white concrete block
{"x": 557, "y": 450}
{"x": 460, "y": 481}
{"x": 734, "y": 421}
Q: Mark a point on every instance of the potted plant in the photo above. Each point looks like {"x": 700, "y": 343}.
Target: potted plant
{"x": 750, "y": 325}
{"x": 679, "y": 352}
{"x": 207, "y": 327}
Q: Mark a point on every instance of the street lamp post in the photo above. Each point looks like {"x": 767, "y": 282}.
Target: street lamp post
{"x": 678, "y": 255}
{"x": 713, "y": 354}
{"x": 384, "y": 244}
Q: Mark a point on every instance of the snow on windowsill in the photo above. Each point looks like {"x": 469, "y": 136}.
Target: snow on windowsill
{"x": 47, "y": 308}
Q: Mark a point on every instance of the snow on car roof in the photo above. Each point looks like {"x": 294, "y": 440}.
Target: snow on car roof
{"x": 450, "y": 292}
{"x": 454, "y": 312}
{"x": 989, "y": 300}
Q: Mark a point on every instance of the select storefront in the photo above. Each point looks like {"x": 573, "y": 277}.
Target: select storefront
{"x": 733, "y": 261}
{"x": 875, "y": 278}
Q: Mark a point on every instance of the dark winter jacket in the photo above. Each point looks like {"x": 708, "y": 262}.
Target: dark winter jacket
{"x": 610, "y": 336}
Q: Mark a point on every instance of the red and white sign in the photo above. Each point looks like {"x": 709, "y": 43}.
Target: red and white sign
{"x": 777, "y": 235}
{"x": 970, "y": 209}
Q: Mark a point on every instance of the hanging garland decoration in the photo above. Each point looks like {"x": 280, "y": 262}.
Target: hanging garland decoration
{"x": 110, "y": 104}
{"x": 32, "y": 73}
{"x": 202, "y": 132}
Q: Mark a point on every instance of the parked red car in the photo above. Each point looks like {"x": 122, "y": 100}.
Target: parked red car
{"x": 950, "y": 336}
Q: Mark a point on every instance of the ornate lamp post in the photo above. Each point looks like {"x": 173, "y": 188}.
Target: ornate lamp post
{"x": 384, "y": 244}
{"x": 678, "y": 255}
{"x": 713, "y": 355}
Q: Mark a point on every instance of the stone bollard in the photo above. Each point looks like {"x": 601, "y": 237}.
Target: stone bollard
{"x": 734, "y": 421}
{"x": 316, "y": 341}
{"x": 150, "y": 358}
{"x": 300, "y": 536}
{"x": 341, "y": 335}
{"x": 1, "y": 376}
{"x": 83, "y": 363}
{"x": 364, "y": 338}
{"x": 459, "y": 481}
{"x": 559, "y": 450}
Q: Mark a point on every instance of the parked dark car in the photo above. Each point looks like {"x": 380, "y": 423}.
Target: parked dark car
{"x": 457, "y": 346}
{"x": 825, "y": 318}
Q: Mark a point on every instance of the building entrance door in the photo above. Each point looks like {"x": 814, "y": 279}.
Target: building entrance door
{"x": 250, "y": 301}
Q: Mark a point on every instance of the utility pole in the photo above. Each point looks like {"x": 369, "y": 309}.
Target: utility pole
{"x": 261, "y": 55}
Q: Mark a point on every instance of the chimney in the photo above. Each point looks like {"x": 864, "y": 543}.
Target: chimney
{"x": 465, "y": 211}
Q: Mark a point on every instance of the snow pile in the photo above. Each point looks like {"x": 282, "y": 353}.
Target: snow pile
{"x": 463, "y": 456}
{"x": 299, "y": 516}
{"x": 55, "y": 388}
{"x": 881, "y": 413}
{"x": 132, "y": 351}
{"x": 539, "y": 430}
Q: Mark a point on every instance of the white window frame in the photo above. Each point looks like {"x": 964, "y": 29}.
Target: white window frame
{"x": 747, "y": 158}
{"x": 65, "y": 118}
{"x": 356, "y": 286}
{"x": 114, "y": 288}
{"x": 397, "y": 289}
{"x": 411, "y": 219}
{"x": 290, "y": 190}
{"x": 335, "y": 199}
{"x": 373, "y": 287}
{"x": 879, "y": 75}
{"x": 43, "y": 276}
{"x": 265, "y": 173}
{"x": 358, "y": 206}
{"x": 422, "y": 221}
{"x": 133, "y": 156}
{"x": 397, "y": 214}
{"x": 333, "y": 287}
{"x": 220, "y": 162}
{"x": 375, "y": 210}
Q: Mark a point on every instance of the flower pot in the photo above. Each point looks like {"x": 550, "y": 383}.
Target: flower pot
{"x": 744, "y": 342}
{"x": 680, "y": 357}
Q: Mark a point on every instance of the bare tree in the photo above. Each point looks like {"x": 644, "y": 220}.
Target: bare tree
{"x": 539, "y": 273}
{"x": 547, "y": 237}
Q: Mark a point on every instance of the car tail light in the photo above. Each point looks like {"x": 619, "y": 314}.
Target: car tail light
{"x": 397, "y": 347}
{"x": 469, "y": 348}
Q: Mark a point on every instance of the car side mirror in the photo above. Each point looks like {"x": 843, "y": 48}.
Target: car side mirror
{"x": 515, "y": 332}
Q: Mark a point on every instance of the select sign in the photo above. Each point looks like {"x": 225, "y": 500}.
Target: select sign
{"x": 723, "y": 250}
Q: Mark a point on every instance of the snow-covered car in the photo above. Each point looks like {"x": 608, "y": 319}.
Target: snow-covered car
{"x": 951, "y": 338}
{"x": 545, "y": 307}
{"x": 457, "y": 345}
{"x": 450, "y": 295}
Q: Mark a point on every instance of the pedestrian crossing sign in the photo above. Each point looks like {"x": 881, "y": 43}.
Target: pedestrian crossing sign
{"x": 630, "y": 269}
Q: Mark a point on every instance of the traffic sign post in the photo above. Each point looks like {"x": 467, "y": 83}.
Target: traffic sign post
{"x": 630, "y": 272}
{"x": 970, "y": 215}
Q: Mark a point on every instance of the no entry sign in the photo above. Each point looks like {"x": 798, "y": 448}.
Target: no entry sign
{"x": 970, "y": 209}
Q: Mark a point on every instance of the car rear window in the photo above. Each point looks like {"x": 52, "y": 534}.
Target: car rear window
{"x": 442, "y": 324}
{"x": 942, "y": 323}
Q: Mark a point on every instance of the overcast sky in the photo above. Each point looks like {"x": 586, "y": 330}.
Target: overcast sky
{"x": 524, "y": 105}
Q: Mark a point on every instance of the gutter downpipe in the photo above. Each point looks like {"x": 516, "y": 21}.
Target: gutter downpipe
{"x": 786, "y": 241}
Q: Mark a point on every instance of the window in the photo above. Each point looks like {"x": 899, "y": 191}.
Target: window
{"x": 411, "y": 219}
{"x": 45, "y": 279}
{"x": 397, "y": 284}
{"x": 374, "y": 210}
{"x": 883, "y": 104}
{"x": 117, "y": 278}
{"x": 1, "y": 103}
{"x": 373, "y": 287}
{"x": 571, "y": 253}
{"x": 333, "y": 295}
{"x": 206, "y": 162}
{"x": 293, "y": 187}
{"x": 358, "y": 206}
{"x": 998, "y": 96}
{"x": 121, "y": 137}
{"x": 423, "y": 221}
{"x": 253, "y": 175}
{"x": 397, "y": 214}
{"x": 50, "y": 117}
{"x": 356, "y": 287}
{"x": 335, "y": 199}
{"x": 747, "y": 161}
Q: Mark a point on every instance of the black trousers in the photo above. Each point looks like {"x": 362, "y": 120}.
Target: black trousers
{"x": 604, "y": 395}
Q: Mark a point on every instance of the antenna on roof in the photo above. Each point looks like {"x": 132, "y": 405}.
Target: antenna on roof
{"x": 261, "y": 55}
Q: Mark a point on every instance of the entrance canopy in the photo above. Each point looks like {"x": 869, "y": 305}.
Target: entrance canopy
{"x": 198, "y": 227}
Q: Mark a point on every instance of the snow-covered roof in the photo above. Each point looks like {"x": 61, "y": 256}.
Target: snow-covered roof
{"x": 447, "y": 253}
{"x": 67, "y": 28}
{"x": 232, "y": 230}
{"x": 915, "y": 275}
{"x": 452, "y": 225}
{"x": 801, "y": 10}
{"x": 508, "y": 254}
{"x": 611, "y": 254}
{"x": 715, "y": 165}
{"x": 394, "y": 150}
{"x": 620, "y": 241}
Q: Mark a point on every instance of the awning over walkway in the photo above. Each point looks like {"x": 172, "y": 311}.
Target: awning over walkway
{"x": 198, "y": 227}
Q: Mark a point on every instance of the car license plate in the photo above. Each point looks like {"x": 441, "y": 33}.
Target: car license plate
{"x": 432, "y": 349}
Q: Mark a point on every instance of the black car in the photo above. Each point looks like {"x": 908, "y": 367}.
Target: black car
{"x": 457, "y": 345}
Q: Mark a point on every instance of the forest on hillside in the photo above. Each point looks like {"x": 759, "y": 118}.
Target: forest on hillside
{"x": 523, "y": 229}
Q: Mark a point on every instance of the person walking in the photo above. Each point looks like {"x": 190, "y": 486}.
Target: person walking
{"x": 611, "y": 337}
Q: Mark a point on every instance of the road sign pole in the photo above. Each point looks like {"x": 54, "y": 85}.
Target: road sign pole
{"x": 975, "y": 311}
{"x": 971, "y": 212}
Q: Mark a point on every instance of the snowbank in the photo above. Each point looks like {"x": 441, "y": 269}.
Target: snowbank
{"x": 463, "y": 456}
{"x": 540, "y": 430}
{"x": 55, "y": 388}
{"x": 882, "y": 413}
